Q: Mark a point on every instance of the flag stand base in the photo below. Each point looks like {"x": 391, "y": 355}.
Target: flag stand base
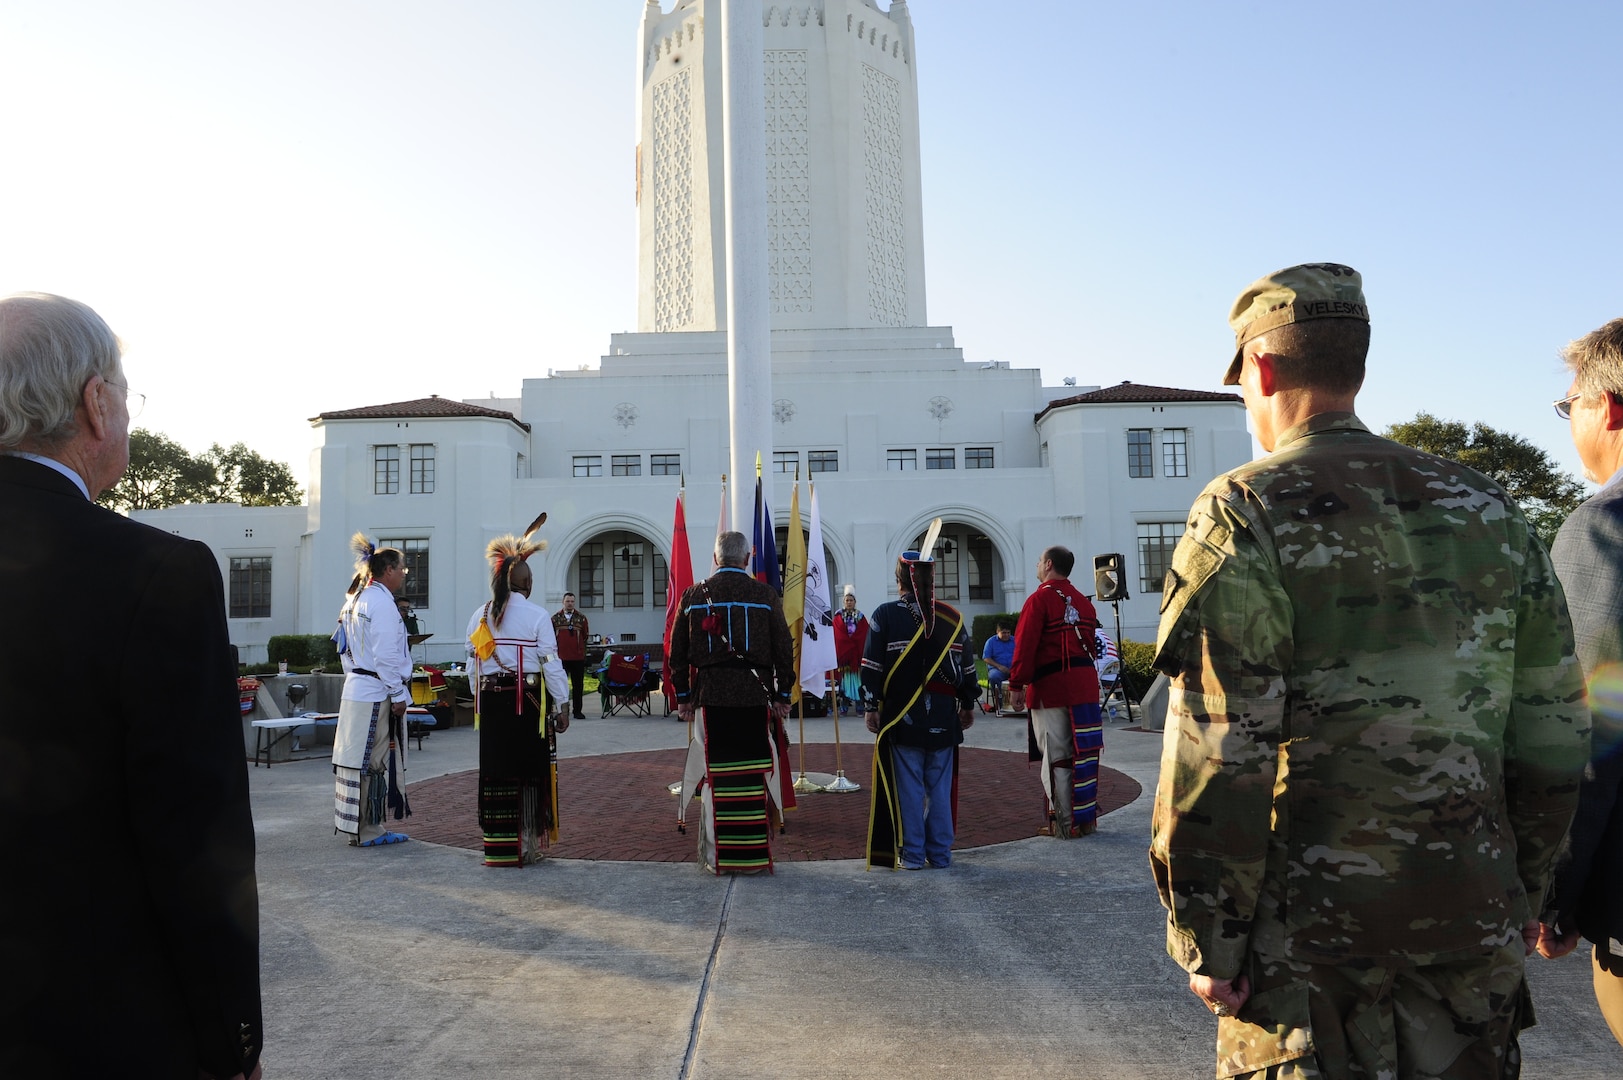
{"x": 804, "y": 786}
{"x": 842, "y": 784}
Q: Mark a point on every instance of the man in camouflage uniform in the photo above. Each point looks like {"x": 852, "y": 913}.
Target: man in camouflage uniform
{"x": 1374, "y": 731}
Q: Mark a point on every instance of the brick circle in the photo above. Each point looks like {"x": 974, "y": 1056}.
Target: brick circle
{"x": 616, "y": 806}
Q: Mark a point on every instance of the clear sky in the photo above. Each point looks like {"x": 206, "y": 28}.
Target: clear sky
{"x": 291, "y": 207}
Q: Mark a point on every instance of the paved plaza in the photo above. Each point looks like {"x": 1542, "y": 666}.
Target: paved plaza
{"x": 1028, "y": 958}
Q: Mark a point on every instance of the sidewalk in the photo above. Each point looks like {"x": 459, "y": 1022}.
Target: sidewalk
{"x": 1034, "y": 957}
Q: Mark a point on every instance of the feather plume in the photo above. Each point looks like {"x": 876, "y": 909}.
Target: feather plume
{"x": 363, "y": 549}
{"x": 927, "y": 549}
{"x": 536, "y": 524}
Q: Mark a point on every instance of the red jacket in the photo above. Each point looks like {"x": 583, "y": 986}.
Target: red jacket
{"x": 1053, "y": 648}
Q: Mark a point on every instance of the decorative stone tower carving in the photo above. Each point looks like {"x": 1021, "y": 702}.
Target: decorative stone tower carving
{"x": 845, "y": 230}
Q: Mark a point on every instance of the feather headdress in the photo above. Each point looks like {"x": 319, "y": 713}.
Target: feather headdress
{"x": 503, "y": 548}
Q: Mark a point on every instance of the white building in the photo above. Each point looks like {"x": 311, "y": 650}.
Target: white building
{"x": 875, "y": 405}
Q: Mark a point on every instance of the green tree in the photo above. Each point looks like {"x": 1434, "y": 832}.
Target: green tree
{"x": 1545, "y": 493}
{"x": 161, "y": 473}
{"x": 164, "y": 473}
{"x": 240, "y": 475}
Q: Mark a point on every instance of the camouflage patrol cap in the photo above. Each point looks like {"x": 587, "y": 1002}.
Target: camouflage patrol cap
{"x": 1294, "y": 294}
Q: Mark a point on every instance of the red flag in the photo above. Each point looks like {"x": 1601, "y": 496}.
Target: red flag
{"x": 678, "y": 581}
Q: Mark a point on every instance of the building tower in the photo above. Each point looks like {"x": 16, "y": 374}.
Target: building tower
{"x": 845, "y": 230}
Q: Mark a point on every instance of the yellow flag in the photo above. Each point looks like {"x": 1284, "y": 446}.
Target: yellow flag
{"x": 794, "y": 582}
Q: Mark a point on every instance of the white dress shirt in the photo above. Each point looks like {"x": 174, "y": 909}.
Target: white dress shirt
{"x": 377, "y": 642}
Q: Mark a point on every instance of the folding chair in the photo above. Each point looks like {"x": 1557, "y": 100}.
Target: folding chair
{"x": 1110, "y": 686}
{"x": 625, "y": 683}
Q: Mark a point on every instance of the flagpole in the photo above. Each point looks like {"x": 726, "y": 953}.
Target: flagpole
{"x": 840, "y": 782}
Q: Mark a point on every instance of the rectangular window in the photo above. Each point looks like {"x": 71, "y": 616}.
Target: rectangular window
{"x": 251, "y": 587}
{"x": 902, "y": 460}
{"x": 626, "y": 465}
{"x": 942, "y": 458}
{"x": 588, "y": 464}
{"x": 785, "y": 461}
{"x": 1138, "y": 452}
{"x": 416, "y": 587}
{"x": 664, "y": 464}
{"x": 422, "y": 468}
{"x": 628, "y": 576}
{"x": 662, "y": 581}
{"x": 946, "y": 568}
{"x": 822, "y": 461}
{"x": 589, "y": 576}
{"x": 386, "y": 470}
{"x": 980, "y": 568}
{"x": 1155, "y": 543}
{"x": 978, "y": 457}
{"x": 1175, "y": 452}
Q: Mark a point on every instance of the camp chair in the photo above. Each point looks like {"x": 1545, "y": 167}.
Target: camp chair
{"x": 625, "y": 682}
{"x": 429, "y": 693}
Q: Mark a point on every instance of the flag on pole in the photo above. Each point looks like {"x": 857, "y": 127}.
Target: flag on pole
{"x": 679, "y": 579}
{"x": 816, "y": 643}
{"x": 764, "y": 563}
{"x": 794, "y": 582}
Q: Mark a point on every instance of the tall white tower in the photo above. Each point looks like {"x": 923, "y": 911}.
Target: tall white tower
{"x": 845, "y": 232}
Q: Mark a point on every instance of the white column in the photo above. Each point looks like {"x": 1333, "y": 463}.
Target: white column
{"x": 749, "y": 311}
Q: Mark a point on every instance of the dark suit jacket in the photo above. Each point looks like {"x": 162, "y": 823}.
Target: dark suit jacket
{"x": 129, "y": 921}
{"x": 1588, "y": 558}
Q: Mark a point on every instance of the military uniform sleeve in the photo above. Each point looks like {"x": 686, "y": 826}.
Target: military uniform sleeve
{"x": 1547, "y": 733}
{"x": 1225, "y": 642}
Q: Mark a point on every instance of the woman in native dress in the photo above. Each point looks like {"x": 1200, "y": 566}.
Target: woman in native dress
{"x": 369, "y": 747}
{"x": 850, "y": 635}
{"x": 522, "y": 703}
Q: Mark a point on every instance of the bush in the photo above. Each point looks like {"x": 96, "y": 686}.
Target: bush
{"x": 984, "y": 627}
{"x": 1137, "y": 659}
{"x": 302, "y": 651}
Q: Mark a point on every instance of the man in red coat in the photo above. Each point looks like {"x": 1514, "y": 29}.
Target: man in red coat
{"x": 1053, "y": 673}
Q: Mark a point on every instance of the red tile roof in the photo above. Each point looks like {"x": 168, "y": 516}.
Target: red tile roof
{"x": 422, "y": 408}
{"x": 1130, "y": 393}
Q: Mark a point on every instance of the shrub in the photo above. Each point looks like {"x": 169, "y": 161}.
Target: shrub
{"x": 984, "y": 627}
{"x": 302, "y": 651}
{"x": 1137, "y": 659}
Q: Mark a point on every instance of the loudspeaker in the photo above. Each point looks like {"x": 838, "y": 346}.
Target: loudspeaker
{"x": 1108, "y": 583}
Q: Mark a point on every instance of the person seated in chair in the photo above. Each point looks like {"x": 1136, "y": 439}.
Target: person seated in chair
{"x": 999, "y": 656}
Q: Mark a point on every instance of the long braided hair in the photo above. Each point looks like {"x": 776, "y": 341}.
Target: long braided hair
{"x": 509, "y": 570}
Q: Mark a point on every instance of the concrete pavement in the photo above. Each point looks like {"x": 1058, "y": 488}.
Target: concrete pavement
{"x": 1031, "y": 958}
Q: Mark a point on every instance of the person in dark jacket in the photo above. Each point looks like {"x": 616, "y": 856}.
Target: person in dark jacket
{"x": 1588, "y": 555}
{"x": 129, "y": 923}
{"x": 919, "y": 688}
{"x": 732, "y": 655}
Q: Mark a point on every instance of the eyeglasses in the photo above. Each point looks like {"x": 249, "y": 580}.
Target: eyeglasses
{"x": 133, "y": 401}
{"x": 1563, "y": 407}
